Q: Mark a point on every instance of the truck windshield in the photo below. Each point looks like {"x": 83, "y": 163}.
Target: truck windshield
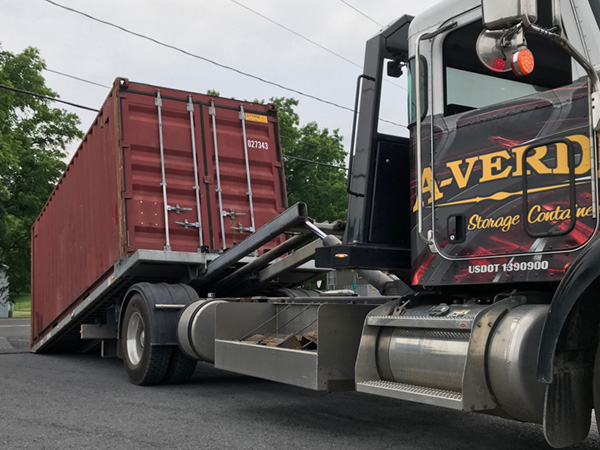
{"x": 469, "y": 84}
{"x": 469, "y": 90}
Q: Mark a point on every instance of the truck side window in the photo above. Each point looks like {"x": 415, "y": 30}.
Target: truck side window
{"x": 412, "y": 96}
{"x": 595, "y": 4}
{"x": 470, "y": 85}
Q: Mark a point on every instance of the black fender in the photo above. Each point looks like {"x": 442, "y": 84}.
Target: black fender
{"x": 163, "y": 320}
{"x": 580, "y": 286}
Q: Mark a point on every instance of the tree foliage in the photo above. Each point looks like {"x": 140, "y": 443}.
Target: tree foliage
{"x": 313, "y": 181}
{"x": 33, "y": 140}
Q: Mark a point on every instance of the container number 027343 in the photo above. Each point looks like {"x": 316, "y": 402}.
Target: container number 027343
{"x": 258, "y": 144}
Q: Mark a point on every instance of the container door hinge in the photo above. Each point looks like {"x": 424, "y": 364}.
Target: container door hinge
{"x": 177, "y": 208}
{"x": 185, "y": 224}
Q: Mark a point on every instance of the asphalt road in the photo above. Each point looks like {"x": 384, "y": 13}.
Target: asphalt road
{"x": 14, "y": 335}
{"x": 83, "y": 401}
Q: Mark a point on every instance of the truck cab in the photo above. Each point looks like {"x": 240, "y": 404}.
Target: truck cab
{"x": 507, "y": 185}
{"x": 491, "y": 200}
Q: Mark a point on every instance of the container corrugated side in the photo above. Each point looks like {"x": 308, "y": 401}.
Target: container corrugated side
{"x": 78, "y": 236}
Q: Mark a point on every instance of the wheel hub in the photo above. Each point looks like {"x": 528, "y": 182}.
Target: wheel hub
{"x": 135, "y": 338}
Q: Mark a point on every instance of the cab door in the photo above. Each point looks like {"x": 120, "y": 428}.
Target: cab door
{"x": 507, "y": 162}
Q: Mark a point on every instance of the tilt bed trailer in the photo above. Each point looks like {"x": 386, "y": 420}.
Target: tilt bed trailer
{"x": 481, "y": 229}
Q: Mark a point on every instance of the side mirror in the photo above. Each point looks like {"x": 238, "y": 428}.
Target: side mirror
{"x": 498, "y": 15}
{"x": 394, "y": 68}
{"x": 502, "y": 45}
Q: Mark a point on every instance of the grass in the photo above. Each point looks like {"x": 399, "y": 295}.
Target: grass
{"x": 22, "y": 306}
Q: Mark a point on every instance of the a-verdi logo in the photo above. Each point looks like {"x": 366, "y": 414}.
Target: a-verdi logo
{"x": 502, "y": 164}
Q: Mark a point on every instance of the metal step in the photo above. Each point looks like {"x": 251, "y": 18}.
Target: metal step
{"x": 413, "y": 393}
{"x": 445, "y": 323}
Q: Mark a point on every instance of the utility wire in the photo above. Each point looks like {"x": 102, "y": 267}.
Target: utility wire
{"x": 315, "y": 162}
{"x": 76, "y": 78}
{"x": 297, "y": 34}
{"x": 109, "y": 87}
{"x": 45, "y": 97}
{"x": 311, "y": 41}
{"x": 361, "y": 13}
{"x": 193, "y": 55}
{"x": 105, "y": 86}
{"x": 52, "y": 99}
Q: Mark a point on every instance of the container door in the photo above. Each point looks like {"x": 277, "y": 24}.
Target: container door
{"x": 163, "y": 198}
{"x": 244, "y": 178}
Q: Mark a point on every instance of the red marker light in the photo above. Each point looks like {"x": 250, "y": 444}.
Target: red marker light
{"x": 522, "y": 62}
{"x": 499, "y": 65}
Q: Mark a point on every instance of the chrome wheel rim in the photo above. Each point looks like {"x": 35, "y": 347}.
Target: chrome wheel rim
{"x": 135, "y": 338}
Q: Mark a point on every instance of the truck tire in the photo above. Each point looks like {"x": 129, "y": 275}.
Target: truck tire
{"x": 181, "y": 368}
{"x": 144, "y": 364}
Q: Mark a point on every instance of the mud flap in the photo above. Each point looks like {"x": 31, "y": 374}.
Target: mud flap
{"x": 568, "y": 407}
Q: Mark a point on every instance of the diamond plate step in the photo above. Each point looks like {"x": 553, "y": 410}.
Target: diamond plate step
{"x": 413, "y": 393}
{"x": 447, "y": 323}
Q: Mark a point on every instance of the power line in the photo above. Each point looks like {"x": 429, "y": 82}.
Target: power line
{"x": 361, "y": 13}
{"x": 310, "y": 144}
{"x": 105, "y": 86}
{"x": 315, "y": 162}
{"x": 76, "y": 78}
{"x": 52, "y": 99}
{"x": 109, "y": 87}
{"x": 297, "y": 34}
{"x": 310, "y": 40}
{"x": 193, "y": 55}
{"x": 45, "y": 97}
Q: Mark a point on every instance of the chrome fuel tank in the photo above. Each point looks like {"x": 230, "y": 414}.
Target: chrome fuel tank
{"x": 512, "y": 361}
{"x": 427, "y": 346}
{"x": 469, "y": 356}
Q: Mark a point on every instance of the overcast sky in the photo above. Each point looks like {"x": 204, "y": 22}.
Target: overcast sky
{"x": 220, "y": 30}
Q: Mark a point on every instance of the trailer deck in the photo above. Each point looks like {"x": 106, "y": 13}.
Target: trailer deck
{"x": 203, "y": 271}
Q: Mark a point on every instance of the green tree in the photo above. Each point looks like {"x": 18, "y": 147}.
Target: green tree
{"x": 311, "y": 178}
{"x": 33, "y": 140}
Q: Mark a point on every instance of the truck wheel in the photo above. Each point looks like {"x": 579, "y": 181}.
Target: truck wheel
{"x": 181, "y": 368}
{"x": 144, "y": 364}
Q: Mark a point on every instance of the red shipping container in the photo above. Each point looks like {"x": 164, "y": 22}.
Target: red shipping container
{"x": 221, "y": 179}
